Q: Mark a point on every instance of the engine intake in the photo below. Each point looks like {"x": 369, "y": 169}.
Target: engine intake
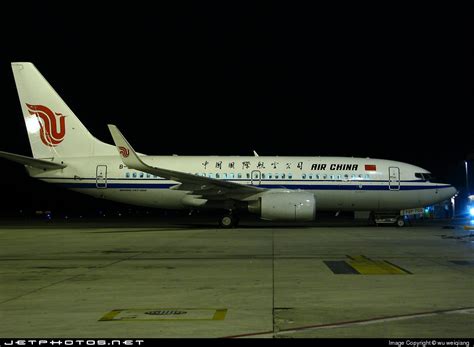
{"x": 285, "y": 206}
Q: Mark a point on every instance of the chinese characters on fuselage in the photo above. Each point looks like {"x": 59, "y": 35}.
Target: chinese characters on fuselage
{"x": 247, "y": 165}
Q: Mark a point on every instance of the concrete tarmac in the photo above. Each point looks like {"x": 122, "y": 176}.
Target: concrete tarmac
{"x": 129, "y": 280}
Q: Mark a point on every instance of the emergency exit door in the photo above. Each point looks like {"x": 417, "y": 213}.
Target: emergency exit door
{"x": 256, "y": 177}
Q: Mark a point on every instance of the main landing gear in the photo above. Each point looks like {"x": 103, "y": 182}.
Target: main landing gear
{"x": 228, "y": 221}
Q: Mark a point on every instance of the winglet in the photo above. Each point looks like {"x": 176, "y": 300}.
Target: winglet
{"x": 126, "y": 152}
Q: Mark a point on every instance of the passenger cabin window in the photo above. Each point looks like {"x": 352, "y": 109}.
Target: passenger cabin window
{"x": 127, "y": 174}
{"x": 303, "y": 176}
{"x": 134, "y": 175}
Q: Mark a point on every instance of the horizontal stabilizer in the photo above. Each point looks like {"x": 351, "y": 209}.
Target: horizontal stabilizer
{"x": 38, "y": 163}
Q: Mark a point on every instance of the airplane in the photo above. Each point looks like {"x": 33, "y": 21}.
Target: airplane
{"x": 275, "y": 188}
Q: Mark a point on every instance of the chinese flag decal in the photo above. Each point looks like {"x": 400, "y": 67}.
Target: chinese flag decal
{"x": 370, "y": 167}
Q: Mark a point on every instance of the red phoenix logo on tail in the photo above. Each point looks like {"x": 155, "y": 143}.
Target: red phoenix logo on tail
{"x": 49, "y": 133}
{"x": 124, "y": 152}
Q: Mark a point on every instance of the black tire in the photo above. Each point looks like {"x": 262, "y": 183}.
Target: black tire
{"x": 227, "y": 221}
{"x": 401, "y": 222}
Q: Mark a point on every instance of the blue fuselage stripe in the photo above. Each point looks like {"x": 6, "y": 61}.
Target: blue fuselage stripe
{"x": 281, "y": 186}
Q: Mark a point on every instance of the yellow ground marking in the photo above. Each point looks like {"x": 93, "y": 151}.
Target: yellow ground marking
{"x": 110, "y": 316}
{"x": 367, "y": 266}
{"x": 220, "y": 314}
{"x": 165, "y": 314}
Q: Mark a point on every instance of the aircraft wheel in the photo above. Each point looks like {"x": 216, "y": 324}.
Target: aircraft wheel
{"x": 227, "y": 221}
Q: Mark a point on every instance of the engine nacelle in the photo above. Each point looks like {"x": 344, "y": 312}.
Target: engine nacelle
{"x": 285, "y": 206}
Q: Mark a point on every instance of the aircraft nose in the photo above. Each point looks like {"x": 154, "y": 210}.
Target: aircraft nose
{"x": 451, "y": 191}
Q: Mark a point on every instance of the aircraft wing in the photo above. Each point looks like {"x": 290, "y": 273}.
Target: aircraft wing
{"x": 208, "y": 188}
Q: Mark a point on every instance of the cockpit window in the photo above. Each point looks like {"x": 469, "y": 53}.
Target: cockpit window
{"x": 428, "y": 177}
{"x": 424, "y": 176}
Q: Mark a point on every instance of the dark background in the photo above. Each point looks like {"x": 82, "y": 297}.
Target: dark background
{"x": 383, "y": 81}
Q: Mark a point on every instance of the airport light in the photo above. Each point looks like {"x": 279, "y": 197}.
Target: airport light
{"x": 453, "y": 204}
{"x": 467, "y": 178}
{"x": 471, "y": 211}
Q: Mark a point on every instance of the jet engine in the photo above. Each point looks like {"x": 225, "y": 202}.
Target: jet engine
{"x": 285, "y": 206}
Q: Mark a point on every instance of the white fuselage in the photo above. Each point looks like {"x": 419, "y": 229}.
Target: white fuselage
{"x": 338, "y": 183}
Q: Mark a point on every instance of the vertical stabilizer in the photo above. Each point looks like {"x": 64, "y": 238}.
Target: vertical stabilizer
{"x": 53, "y": 129}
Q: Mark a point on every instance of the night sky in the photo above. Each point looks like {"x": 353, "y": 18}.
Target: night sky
{"x": 196, "y": 79}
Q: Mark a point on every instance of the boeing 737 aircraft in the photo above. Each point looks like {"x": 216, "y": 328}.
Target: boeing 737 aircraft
{"x": 275, "y": 188}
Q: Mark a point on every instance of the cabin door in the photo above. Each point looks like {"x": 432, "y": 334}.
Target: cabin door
{"x": 101, "y": 176}
{"x": 394, "y": 178}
